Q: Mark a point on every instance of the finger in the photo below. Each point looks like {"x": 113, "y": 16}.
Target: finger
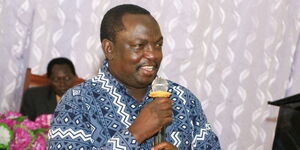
{"x": 163, "y": 100}
{"x": 167, "y": 121}
{"x": 165, "y": 113}
{"x": 160, "y": 146}
{"x": 164, "y": 146}
{"x": 164, "y": 105}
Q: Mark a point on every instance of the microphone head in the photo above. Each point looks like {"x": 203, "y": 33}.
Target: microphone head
{"x": 159, "y": 84}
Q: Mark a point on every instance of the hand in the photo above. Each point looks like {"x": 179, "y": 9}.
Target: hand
{"x": 164, "y": 146}
{"x": 151, "y": 119}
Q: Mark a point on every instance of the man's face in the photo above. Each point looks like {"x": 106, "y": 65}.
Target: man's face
{"x": 61, "y": 78}
{"x": 137, "y": 51}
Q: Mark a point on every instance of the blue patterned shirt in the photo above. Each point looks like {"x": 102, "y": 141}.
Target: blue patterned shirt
{"x": 97, "y": 113}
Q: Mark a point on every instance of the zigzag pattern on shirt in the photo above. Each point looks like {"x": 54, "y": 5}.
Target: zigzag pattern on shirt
{"x": 175, "y": 137}
{"x": 179, "y": 92}
{"x": 71, "y": 133}
{"x": 116, "y": 96}
{"x": 116, "y": 144}
{"x": 121, "y": 107}
{"x": 101, "y": 78}
{"x": 201, "y": 135}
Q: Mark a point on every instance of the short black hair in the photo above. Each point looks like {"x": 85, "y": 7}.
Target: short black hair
{"x": 60, "y": 61}
{"x": 112, "y": 20}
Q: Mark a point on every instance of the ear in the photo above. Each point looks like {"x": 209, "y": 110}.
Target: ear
{"x": 107, "y": 47}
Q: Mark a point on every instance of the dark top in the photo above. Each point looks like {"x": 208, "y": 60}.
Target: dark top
{"x": 37, "y": 101}
{"x": 287, "y": 134}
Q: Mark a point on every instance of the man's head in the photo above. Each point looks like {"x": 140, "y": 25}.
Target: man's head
{"x": 132, "y": 43}
{"x": 112, "y": 20}
{"x": 61, "y": 74}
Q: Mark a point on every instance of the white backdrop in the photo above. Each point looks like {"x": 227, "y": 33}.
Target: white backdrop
{"x": 234, "y": 55}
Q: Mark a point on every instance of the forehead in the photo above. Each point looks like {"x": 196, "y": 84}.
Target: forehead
{"x": 61, "y": 68}
{"x": 140, "y": 24}
{"x": 128, "y": 19}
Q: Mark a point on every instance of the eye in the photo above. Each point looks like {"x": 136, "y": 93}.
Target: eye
{"x": 160, "y": 44}
{"x": 55, "y": 79}
{"x": 138, "y": 46}
{"x": 67, "y": 78}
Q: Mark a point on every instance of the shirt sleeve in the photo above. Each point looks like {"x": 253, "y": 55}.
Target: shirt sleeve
{"x": 76, "y": 125}
{"x": 203, "y": 136}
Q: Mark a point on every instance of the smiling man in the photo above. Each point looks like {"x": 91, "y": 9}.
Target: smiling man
{"x": 114, "y": 111}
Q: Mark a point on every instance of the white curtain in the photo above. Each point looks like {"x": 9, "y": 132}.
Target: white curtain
{"x": 234, "y": 55}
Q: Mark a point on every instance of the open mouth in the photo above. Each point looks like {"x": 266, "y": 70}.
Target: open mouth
{"x": 62, "y": 91}
{"x": 148, "y": 69}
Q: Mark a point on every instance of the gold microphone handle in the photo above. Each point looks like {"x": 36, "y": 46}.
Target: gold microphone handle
{"x": 161, "y": 135}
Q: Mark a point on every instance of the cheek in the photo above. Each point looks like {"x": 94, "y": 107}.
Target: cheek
{"x": 160, "y": 55}
{"x": 136, "y": 58}
{"x": 55, "y": 85}
{"x": 69, "y": 83}
{"x": 133, "y": 57}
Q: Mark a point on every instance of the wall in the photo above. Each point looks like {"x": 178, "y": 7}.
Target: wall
{"x": 234, "y": 55}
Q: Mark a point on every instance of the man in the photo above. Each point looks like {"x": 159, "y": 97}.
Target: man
{"x": 114, "y": 111}
{"x": 43, "y": 100}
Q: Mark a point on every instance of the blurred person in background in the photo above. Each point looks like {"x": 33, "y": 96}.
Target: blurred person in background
{"x": 43, "y": 100}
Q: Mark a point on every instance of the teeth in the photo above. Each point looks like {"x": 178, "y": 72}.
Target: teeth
{"x": 149, "y": 68}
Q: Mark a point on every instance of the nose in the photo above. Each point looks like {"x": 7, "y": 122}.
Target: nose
{"x": 151, "y": 52}
{"x": 61, "y": 83}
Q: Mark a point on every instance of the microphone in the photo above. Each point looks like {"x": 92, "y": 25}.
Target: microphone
{"x": 159, "y": 89}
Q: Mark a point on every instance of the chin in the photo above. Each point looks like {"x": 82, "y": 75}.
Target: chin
{"x": 147, "y": 81}
{"x": 60, "y": 93}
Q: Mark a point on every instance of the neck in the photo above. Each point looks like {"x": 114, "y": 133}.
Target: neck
{"x": 137, "y": 94}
